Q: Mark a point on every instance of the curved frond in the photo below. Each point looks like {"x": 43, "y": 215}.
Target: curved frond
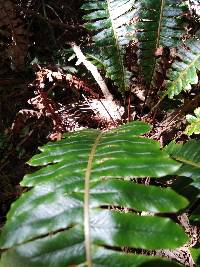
{"x": 80, "y": 207}
{"x": 109, "y": 20}
{"x": 183, "y": 72}
{"x": 158, "y": 25}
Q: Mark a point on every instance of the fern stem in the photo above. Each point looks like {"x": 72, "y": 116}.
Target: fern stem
{"x": 158, "y": 38}
{"x": 160, "y": 23}
{"x": 93, "y": 70}
{"x": 87, "y": 203}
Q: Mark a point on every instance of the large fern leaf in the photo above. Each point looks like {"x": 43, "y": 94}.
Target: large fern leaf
{"x": 109, "y": 20}
{"x": 183, "y": 72}
{"x": 158, "y": 25}
{"x": 83, "y": 207}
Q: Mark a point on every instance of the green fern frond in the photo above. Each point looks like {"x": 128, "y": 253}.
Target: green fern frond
{"x": 158, "y": 25}
{"x": 81, "y": 204}
{"x": 189, "y": 155}
{"x": 109, "y": 21}
{"x": 183, "y": 72}
{"x": 194, "y": 127}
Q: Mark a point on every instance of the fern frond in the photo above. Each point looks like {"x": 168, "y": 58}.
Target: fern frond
{"x": 189, "y": 155}
{"x": 183, "y": 72}
{"x": 74, "y": 212}
{"x": 194, "y": 127}
{"x": 109, "y": 20}
{"x": 158, "y": 26}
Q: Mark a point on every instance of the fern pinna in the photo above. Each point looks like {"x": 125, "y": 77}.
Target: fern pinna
{"x": 83, "y": 206}
{"x": 159, "y": 25}
{"x": 194, "y": 122}
{"x": 109, "y": 20}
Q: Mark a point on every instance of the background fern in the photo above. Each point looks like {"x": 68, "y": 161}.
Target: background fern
{"x": 183, "y": 72}
{"x": 109, "y": 20}
{"x": 159, "y": 25}
{"x": 194, "y": 127}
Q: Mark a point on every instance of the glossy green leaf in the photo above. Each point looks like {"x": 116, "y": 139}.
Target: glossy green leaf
{"x": 83, "y": 201}
{"x": 126, "y": 193}
{"x": 41, "y": 253}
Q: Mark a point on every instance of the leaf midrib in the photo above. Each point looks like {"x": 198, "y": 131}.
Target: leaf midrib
{"x": 188, "y": 162}
{"x": 87, "y": 201}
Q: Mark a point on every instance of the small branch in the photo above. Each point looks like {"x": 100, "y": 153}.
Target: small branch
{"x": 182, "y": 111}
{"x": 93, "y": 70}
{"x": 53, "y": 22}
